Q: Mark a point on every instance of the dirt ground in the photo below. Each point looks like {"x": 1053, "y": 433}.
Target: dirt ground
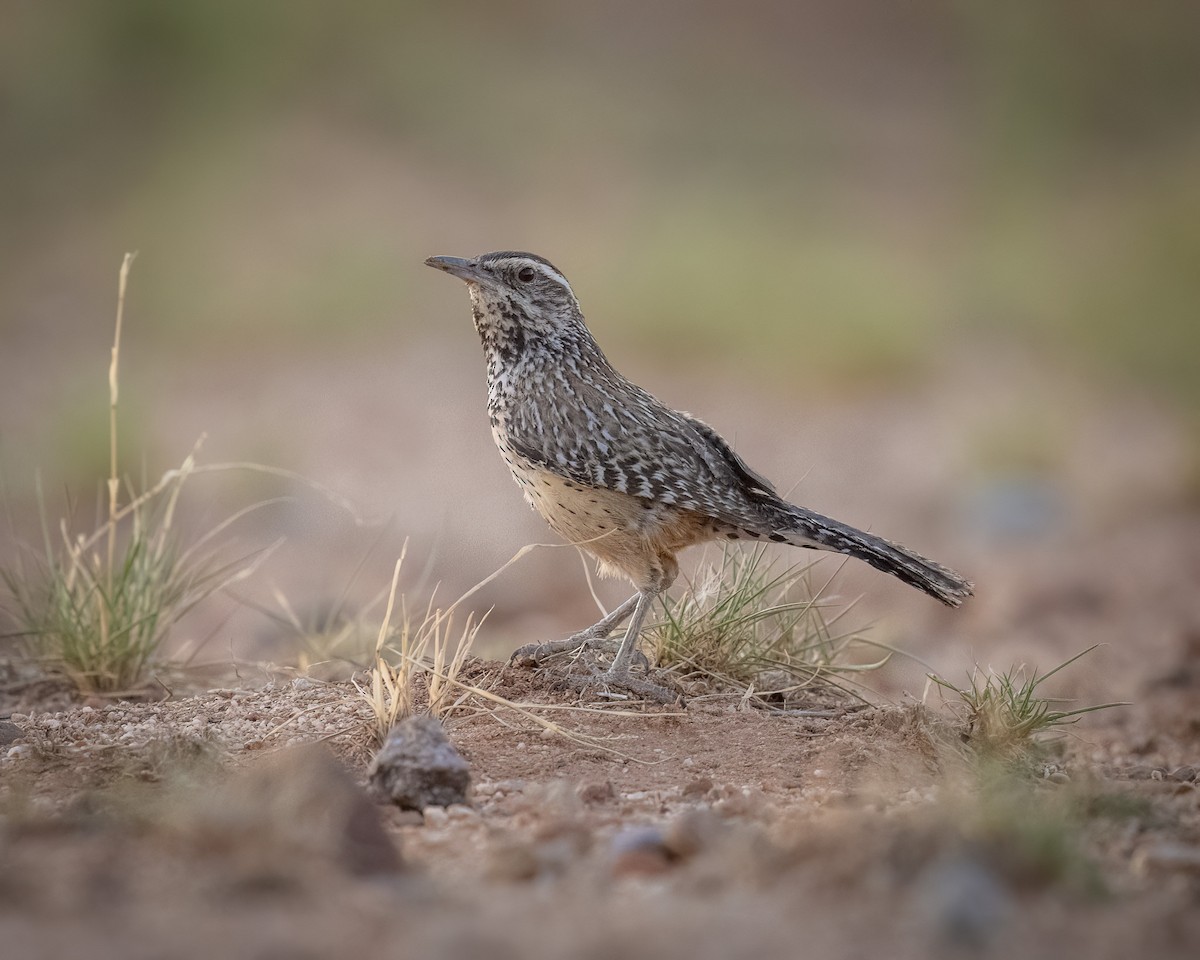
{"x": 226, "y": 816}
{"x": 232, "y": 822}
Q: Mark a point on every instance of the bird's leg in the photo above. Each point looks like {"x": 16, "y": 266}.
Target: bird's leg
{"x": 619, "y": 670}
{"x": 618, "y": 674}
{"x": 584, "y": 638}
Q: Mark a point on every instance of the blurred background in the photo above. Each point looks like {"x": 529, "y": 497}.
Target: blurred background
{"x": 934, "y": 267}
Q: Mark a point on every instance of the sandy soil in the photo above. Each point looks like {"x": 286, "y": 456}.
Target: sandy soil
{"x": 225, "y": 815}
{"x": 211, "y": 825}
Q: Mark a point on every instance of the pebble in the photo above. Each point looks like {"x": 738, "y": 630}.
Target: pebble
{"x": 597, "y": 792}
{"x": 747, "y": 802}
{"x": 692, "y": 831}
{"x": 639, "y": 850}
{"x": 1185, "y": 774}
{"x": 510, "y": 786}
{"x": 9, "y": 732}
{"x": 964, "y": 901}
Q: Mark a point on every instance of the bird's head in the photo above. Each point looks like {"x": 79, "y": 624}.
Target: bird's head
{"x": 516, "y": 296}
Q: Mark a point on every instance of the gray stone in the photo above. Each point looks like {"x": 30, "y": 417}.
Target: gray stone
{"x": 9, "y": 732}
{"x": 418, "y": 767}
{"x": 965, "y": 901}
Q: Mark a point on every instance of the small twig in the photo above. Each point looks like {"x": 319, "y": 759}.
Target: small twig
{"x": 114, "y": 483}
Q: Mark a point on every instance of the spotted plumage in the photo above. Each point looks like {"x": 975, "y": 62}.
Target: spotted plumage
{"x": 616, "y": 471}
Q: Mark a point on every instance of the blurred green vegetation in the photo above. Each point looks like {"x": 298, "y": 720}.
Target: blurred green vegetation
{"x": 827, "y": 189}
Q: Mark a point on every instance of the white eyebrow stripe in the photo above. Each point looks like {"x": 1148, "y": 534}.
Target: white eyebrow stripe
{"x": 544, "y": 268}
{"x": 550, "y": 272}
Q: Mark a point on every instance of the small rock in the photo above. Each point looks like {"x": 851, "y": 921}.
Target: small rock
{"x": 964, "y": 901}
{"x": 9, "y": 732}
{"x": 1182, "y": 774}
{"x": 697, "y": 788}
{"x": 435, "y": 816}
{"x": 19, "y": 750}
{"x": 639, "y": 850}
{"x": 365, "y": 848}
{"x": 597, "y": 792}
{"x": 748, "y": 802}
{"x": 691, "y": 832}
{"x": 1058, "y": 776}
{"x": 418, "y": 767}
{"x": 510, "y": 786}
{"x": 460, "y": 811}
{"x": 299, "y": 803}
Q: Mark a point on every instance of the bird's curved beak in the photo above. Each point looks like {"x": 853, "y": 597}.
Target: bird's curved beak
{"x": 467, "y": 270}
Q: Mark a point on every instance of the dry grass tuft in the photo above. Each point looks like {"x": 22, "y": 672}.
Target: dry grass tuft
{"x": 100, "y": 605}
{"x": 418, "y": 655}
{"x": 749, "y": 625}
{"x": 1003, "y": 713}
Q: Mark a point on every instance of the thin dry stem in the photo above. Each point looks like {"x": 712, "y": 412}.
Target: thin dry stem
{"x": 114, "y": 483}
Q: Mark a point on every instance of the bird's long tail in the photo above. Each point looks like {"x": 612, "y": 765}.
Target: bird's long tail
{"x": 804, "y": 528}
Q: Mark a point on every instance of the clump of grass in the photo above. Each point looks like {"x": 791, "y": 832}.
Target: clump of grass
{"x": 421, "y": 654}
{"x": 750, "y": 624}
{"x": 1004, "y": 713}
{"x": 103, "y": 620}
{"x": 101, "y": 605}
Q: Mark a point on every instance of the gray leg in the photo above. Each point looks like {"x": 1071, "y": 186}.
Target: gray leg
{"x": 618, "y": 674}
{"x": 597, "y": 631}
{"x": 620, "y": 665}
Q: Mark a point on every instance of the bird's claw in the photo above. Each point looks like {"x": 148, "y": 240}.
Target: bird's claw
{"x": 532, "y": 654}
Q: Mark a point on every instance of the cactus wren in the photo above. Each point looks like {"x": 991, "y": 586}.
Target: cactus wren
{"x": 616, "y": 472}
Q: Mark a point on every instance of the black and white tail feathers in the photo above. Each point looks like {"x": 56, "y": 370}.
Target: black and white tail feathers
{"x": 803, "y": 528}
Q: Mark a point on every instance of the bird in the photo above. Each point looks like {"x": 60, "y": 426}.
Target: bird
{"x": 620, "y": 474}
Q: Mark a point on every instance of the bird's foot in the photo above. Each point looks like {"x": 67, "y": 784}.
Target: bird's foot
{"x": 641, "y": 689}
{"x": 532, "y": 654}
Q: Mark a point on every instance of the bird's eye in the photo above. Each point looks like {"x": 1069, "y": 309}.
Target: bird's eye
{"x": 525, "y": 274}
